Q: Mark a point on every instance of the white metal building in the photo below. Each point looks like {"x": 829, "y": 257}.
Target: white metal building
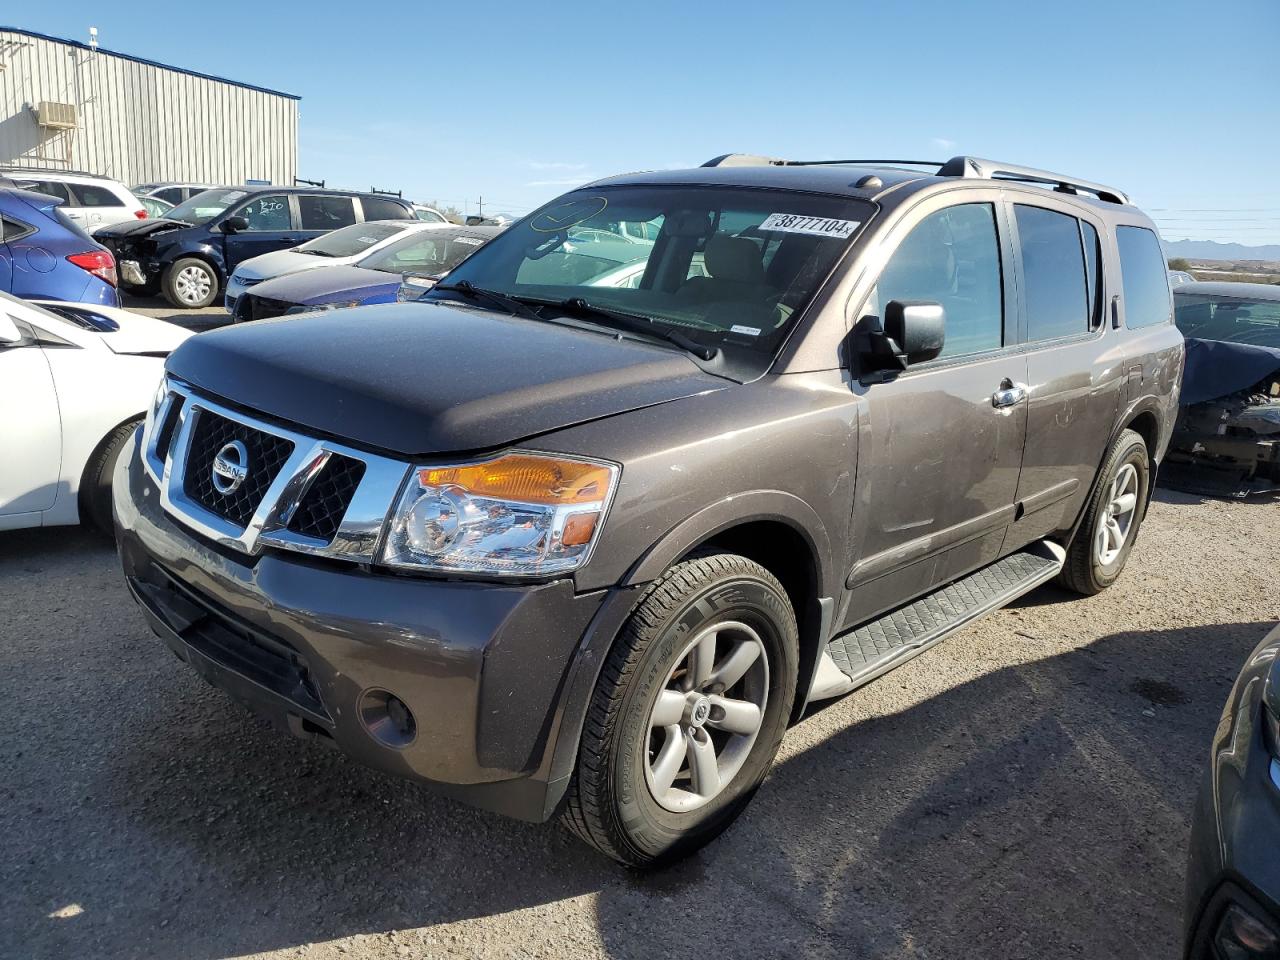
{"x": 70, "y": 105}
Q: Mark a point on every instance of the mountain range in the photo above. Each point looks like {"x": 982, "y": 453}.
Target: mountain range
{"x": 1214, "y": 250}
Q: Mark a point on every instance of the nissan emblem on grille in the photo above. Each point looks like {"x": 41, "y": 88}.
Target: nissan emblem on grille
{"x": 230, "y": 467}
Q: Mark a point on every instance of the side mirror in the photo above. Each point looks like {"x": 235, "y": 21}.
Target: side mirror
{"x": 912, "y": 331}
{"x": 234, "y": 225}
{"x": 918, "y": 327}
{"x": 9, "y": 332}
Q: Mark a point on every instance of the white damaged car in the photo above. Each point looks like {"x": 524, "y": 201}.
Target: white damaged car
{"x": 76, "y": 380}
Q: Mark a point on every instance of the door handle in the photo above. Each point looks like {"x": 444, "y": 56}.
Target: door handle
{"x": 1009, "y": 394}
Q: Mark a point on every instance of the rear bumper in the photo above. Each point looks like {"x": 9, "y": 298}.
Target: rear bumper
{"x": 485, "y": 668}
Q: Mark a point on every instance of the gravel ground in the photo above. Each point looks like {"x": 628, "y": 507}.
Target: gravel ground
{"x": 1021, "y": 790}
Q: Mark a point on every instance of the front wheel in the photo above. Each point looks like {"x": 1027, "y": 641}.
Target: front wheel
{"x": 688, "y": 712}
{"x": 1110, "y": 526}
{"x": 190, "y": 283}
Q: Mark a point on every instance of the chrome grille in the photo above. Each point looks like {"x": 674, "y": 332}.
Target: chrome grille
{"x": 325, "y": 503}
{"x": 300, "y": 493}
{"x": 267, "y": 457}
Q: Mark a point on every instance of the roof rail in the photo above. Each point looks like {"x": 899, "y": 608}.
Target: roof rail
{"x": 976, "y": 168}
{"x": 968, "y": 167}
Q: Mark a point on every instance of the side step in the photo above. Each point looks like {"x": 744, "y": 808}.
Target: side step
{"x": 875, "y": 648}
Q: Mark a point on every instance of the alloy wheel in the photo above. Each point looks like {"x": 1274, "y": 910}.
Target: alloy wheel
{"x": 707, "y": 715}
{"x": 1115, "y": 520}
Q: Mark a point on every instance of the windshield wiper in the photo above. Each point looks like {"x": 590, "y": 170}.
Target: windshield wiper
{"x": 317, "y": 253}
{"x": 639, "y": 324}
{"x": 472, "y": 292}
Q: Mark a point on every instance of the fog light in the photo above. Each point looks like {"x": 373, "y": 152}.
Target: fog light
{"x": 387, "y": 718}
{"x": 1242, "y": 936}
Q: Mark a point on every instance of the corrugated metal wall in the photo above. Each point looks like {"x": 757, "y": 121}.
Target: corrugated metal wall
{"x": 140, "y": 121}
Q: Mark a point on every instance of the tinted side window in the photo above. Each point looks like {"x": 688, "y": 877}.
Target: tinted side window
{"x": 91, "y": 196}
{"x": 1146, "y": 282}
{"x": 376, "y": 208}
{"x": 325, "y": 213}
{"x": 172, "y": 194}
{"x": 53, "y": 188}
{"x": 1093, "y": 269}
{"x": 267, "y": 213}
{"x": 952, "y": 257}
{"x": 1053, "y": 273}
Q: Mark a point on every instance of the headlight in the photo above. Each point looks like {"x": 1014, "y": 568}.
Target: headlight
{"x": 517, "y": 515}
{"x": 162, "y": 391}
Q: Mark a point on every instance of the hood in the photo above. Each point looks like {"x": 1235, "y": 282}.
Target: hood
{"x": 123, "y": 332}
{"x": 135, "y": 229}
{"x": 428, "y": 378}
{"x": 1218, "y": 368}
{"x": 326, "y": 284}
{"x": 139, "y": 334}
{"x": 281, "y": 262}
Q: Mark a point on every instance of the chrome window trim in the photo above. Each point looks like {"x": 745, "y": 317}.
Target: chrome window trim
{"x": 359, "y": 534}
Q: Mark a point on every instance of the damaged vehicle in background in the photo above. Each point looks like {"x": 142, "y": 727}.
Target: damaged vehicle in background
{"x": 1227, "y": 438}
{"x": 188, "y": 253}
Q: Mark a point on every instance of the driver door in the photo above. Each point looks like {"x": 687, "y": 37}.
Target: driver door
{"x": 271, "y": 227}
{"x": 941, "y": 443}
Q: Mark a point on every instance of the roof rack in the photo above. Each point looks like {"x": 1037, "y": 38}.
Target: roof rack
{"x": 11, "y": 168}
{"x": 977, "y": 168}
{"x": 966, "y": 167}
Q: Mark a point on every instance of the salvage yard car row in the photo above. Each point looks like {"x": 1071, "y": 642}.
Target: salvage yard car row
{"x": 611, "y": 496}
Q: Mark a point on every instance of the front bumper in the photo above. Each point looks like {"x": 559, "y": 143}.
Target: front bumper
{"x": 484, "y": 667}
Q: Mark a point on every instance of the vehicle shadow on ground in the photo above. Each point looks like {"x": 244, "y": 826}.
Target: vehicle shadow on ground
{"x": 1039, "y": 810}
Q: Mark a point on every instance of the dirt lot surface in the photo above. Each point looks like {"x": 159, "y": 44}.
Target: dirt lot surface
{"x": 1021, "y": 790}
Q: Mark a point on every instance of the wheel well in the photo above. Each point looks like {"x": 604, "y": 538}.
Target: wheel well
{"x": 91, "y": 464}
{"x": 203, "y": 258}
{"x": 785, "y": 553}
{"x": 1146, "y": 426}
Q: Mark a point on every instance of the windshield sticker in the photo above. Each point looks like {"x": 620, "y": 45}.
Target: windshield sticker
{"x": 569, "y": 214}
{"x": 745, "y": 331}
{"x": 366, "y": 239}
{"x": 469, "y": 241}
{"x": 814, "y": 226}
{"x": 231, "y": 196}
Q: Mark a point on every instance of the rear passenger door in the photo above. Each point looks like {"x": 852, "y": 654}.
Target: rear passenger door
{"x": 940, "y": 445}
{"x": 1073, "y": 374}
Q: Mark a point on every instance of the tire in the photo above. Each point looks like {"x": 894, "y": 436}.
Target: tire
{"x": 1092, "y": 564}
{"x": 613, "y": 798}
{"x": 190, "y": 283}
{"x": 95, "y": 485}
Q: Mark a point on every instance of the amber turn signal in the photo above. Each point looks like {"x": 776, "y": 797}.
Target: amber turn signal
{"x": 529, "y": 479}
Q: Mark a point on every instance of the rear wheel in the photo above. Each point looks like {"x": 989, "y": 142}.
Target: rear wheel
{"x": 95, "y": 485}
{"x": 688, "y": 712}
{"x": 1101, "y": 546}
{"x": 191, "y": 283}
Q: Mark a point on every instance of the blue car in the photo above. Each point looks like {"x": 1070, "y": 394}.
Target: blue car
{"x": 429, "y": 252}
{"x": 44, "y": 255}
{"x": 188, "y": 253}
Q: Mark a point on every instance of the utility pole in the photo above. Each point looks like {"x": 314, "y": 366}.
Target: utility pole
{"x": 480, "y": 207}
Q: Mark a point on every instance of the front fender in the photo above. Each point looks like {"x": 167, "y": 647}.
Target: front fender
{"x": 205, "y": 250}
{"x": 733, "y": 511}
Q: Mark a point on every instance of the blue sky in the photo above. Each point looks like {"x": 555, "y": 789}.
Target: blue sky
{"x": 1173, "y": 101}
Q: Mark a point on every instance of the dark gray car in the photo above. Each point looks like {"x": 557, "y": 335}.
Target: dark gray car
{"x": 564, "y": 539}
{"x": 1233, "y": 876}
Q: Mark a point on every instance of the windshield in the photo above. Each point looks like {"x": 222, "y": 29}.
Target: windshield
{"x": 427, "y": 252}
{"x": 203, "y": 207}
{"x": 729, "y": 267}
{"x": 1234, "y": 319}
{"x": 350, "y": 241}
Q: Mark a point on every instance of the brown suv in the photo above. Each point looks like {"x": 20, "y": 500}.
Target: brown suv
{"x": 583, "y": 529}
